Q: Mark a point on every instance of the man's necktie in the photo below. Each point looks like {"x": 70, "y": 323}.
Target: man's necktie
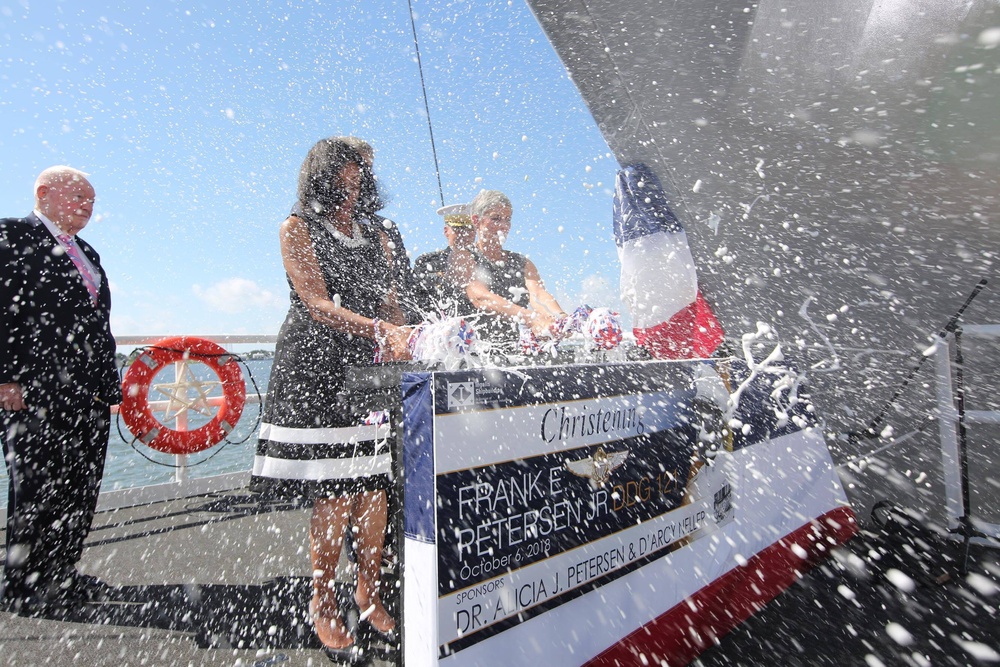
{"x": 74, "y": 253}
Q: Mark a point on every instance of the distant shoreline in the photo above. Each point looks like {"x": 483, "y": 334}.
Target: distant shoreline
{"x": 123, "y": 360}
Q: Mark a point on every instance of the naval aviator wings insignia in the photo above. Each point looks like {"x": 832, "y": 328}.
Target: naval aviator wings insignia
{"x": 597, "y": 468}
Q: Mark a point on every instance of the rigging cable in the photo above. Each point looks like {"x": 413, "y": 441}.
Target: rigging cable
{"x": 427, "y": 109}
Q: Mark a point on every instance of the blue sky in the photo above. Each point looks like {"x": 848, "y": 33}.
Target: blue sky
{"x": 193, "y": 119}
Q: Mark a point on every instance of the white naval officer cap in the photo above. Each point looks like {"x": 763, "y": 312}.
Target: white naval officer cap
{"x": 456, "y": 215}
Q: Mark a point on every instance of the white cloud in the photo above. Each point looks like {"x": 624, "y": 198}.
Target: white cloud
{"x": 237, "y": 295}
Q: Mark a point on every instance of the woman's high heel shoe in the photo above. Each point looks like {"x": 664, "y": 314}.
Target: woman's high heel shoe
{"x": 352, "y": 654}
{"x": 367, "y": 629}
{"x": 349, "y": 655}
{"x": 388, "y": 636}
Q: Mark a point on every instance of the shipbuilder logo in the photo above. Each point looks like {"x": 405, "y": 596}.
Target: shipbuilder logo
{"x": 461, "y": 394}
{"x": 723, "y": 505}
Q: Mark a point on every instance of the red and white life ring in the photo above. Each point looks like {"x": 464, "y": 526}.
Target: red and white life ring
{"x": 135, "y": 408}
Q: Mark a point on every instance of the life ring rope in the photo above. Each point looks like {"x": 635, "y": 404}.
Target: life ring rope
{"x": 137, "y": 382}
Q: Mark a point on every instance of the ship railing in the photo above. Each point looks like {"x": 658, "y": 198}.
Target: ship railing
{"x": 949, "y": 431}
{"x": 182, "y": 486}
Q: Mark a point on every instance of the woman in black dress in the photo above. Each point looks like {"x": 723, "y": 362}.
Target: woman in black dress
{"x": 311, "y": 444}
{"x": 504, "y": 286}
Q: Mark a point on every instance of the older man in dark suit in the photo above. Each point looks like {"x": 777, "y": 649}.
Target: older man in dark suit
{"x": 57, "y": 383}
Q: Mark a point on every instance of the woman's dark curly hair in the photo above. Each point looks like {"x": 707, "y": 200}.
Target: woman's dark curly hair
{"x": 321, "y": 189}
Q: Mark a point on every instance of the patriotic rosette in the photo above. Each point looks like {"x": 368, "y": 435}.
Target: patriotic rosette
{"x": 447, "y": 342}
{"x": 603, "y": 329}
{"x": 599, "y": 329}
{"x": 577, "y": 320}
{"x": 528, "y": 341}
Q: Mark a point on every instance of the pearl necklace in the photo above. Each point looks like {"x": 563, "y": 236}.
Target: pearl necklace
{"x": 357, "y": 240}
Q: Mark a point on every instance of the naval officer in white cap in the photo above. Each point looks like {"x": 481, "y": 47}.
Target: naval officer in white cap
{"x": 433, "y": 291}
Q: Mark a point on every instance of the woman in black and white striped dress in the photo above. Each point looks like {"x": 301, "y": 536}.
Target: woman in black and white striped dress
{"x": 311, "y": 445}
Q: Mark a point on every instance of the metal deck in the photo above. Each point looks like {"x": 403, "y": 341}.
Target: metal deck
{"x": 222, "y": 579}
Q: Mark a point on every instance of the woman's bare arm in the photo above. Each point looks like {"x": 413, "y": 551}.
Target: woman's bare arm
{"x": 462, "y": 271}
{"x": 540, "y": 298}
